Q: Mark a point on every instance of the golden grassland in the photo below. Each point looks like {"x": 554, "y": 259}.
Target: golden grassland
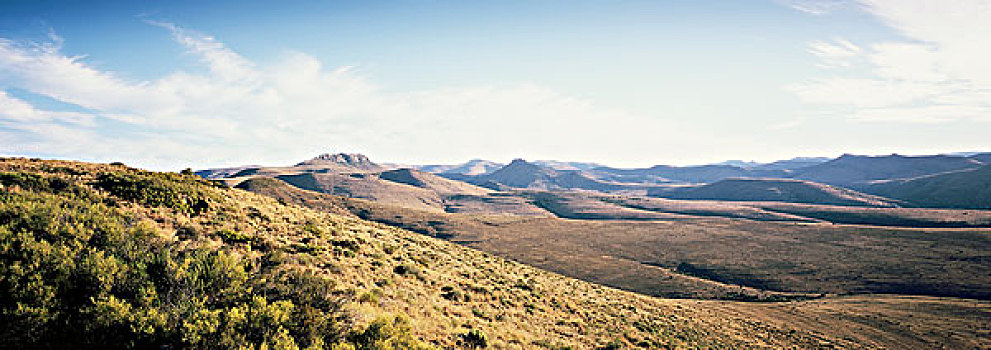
{"x": 581, "y": 248}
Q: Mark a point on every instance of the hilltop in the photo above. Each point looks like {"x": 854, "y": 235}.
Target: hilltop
{"x": 347, "y": 160}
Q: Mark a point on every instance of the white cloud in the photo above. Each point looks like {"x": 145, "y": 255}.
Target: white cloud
{"x": 864, "y": 92}
{"x": 815, "y": 7}
{"x": 15, "y": 111}
{"x": 839, "y": 53}
{"x": 240, "y": 112}
{"x": 931, "y": 114}
{"x": 939, "y": 73}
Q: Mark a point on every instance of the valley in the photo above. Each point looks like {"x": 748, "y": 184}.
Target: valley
{"x": 867, "y": 264}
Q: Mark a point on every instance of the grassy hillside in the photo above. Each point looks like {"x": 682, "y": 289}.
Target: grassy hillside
{"x": 666, "y": 257}
{"x": 368, "y": 186}
{"x": 102, "y": 256}
{"x": 440, "y": 185}
{"x": 111, "y": 257}
{"x": 959, "y": 189}
{"x": 607, "y": 252}
{"x": 775, "y": 190}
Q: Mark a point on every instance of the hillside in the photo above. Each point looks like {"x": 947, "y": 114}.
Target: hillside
{"x": 122, "y": 258}
{"x": 219, "y": 173}
{"x": 522, "y": 174}
{"x": 688, "y": 174}
{"x": 982, "y": 157}
{"x": 648, "y": 245}
{"x": 775, "y": 190}
{"x": 471, "y": 167}
{"x": 793, "y": 164}
{"x": 959, "y": 189}
{"x": 858, "y": 170}
{"x": 368, "y": 186}
{"x": 691, "y": 257}
{"x": 560, "y": 165}
{"x": 437, "y": 184}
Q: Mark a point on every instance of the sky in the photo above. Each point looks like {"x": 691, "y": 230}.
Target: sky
{"x": 169, "y": 85}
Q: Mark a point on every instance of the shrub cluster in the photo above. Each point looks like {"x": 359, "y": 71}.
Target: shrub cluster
{"x": 79, "y": 272}
{"x": 156, "y": 190}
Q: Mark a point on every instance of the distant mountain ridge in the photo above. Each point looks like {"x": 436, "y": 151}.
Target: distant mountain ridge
{"x": 802, "y": 180}
{"x": 559, "y": 165}
{"x": 523, "y": 174}
{"x": 852, "y": 170}
{"x": 471, "y": 167}
{"x": 794, "y": 163}
{"x": 690, "y": 174}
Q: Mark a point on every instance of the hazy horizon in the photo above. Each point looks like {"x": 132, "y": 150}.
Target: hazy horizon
{"x": 626, "y": 84}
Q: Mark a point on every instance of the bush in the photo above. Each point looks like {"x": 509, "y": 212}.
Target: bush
{"x": 156, "y": 190}
{"x": 474, "y": 339}
{"x": 77, "y": 271}
{"x": 386, "y": 333}
{"x": 81, "y": 274}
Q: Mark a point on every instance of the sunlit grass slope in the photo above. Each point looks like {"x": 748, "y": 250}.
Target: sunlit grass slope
{"x": 104, "y": 256}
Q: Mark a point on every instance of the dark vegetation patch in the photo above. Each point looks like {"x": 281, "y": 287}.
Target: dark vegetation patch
{"x": 164, "y": 190}
{"x": 78, "y": 271}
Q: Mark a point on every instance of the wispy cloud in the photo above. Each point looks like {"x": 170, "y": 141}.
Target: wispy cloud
{"x": 837, "y": 53}
{"x": 238, "y": 111}
{"x": 935, "y": 75}
{"x": 816, "y": 7}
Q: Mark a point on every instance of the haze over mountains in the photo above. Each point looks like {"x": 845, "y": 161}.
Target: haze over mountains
{"x": 942, "y": 181}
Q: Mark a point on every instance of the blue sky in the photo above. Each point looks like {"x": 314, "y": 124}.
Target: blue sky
{"x": 167, "y": 85}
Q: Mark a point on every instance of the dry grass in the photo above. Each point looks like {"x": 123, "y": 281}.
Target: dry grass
{"x": 446, "y": 289}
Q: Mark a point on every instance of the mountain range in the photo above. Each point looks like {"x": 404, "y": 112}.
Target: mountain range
{"x": 891, "y": 180}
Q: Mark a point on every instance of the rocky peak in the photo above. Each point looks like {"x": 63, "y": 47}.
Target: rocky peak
{"x": 355, "y": 160}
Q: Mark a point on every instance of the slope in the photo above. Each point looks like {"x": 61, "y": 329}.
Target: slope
{"x": 437, "y": 184}
{"x": 651, "y": 256}
{"x": 471, "y": 167}
{"x": 367, "y": 186}
{"x": 125, "y": 258}
{"x": 522, "y": 174}
{"x": 841, "y": 259}
{"x": 689, "y": 174}
{"x": 775, "y": 190}
{"x": 857, "y": 170}
{"x": 959, "y": 189}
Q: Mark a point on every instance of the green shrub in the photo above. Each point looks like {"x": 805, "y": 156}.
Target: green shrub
{"x": 156, "y": 190}
{"x": 81, "y": 274}
{"x": 474, "y": 339}
{"x": 234, "y": 237}
{"x": 386, "y": 333}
